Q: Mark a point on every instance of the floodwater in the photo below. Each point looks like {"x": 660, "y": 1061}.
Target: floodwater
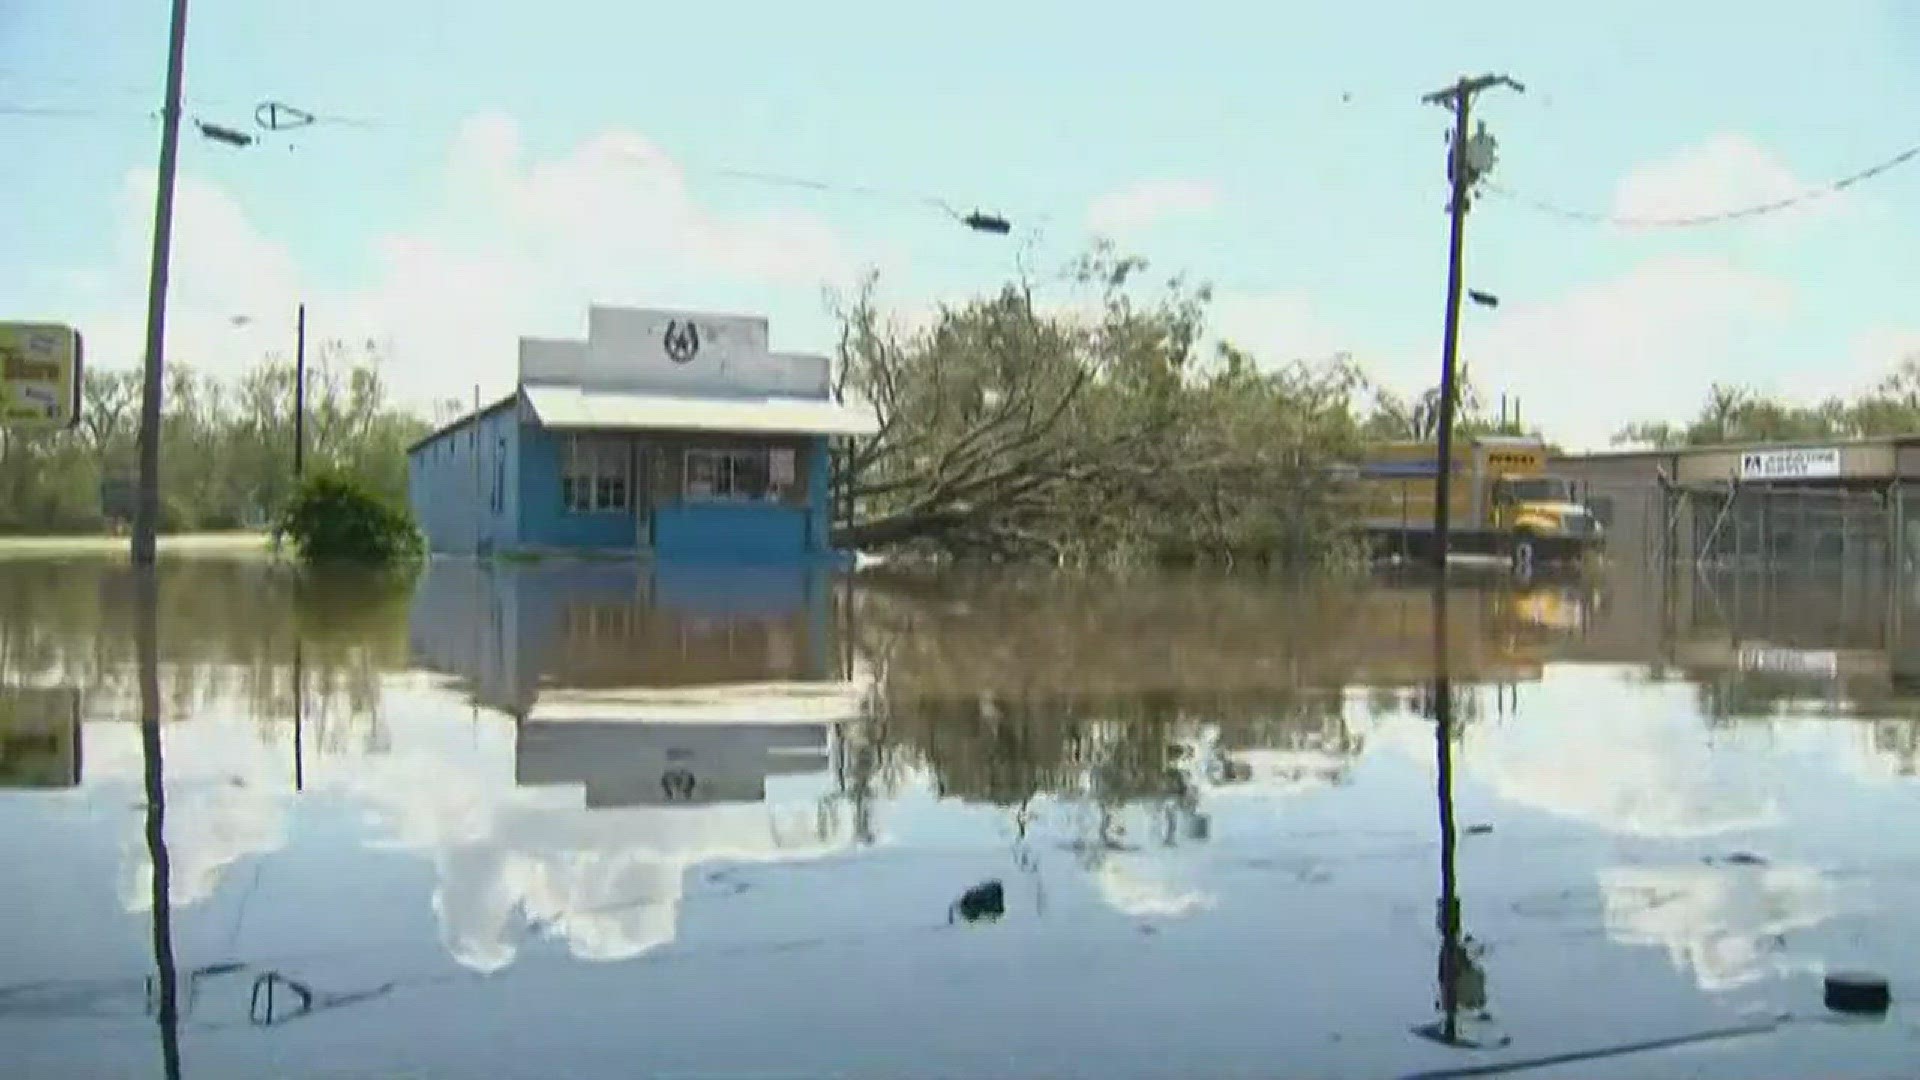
{"x": 591, "y": 821}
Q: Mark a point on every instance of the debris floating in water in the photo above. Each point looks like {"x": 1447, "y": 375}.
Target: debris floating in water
{"x": 1857, "y": 992}
{"x": 987, "y": 900}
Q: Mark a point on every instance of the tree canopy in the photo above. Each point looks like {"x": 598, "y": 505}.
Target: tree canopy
{"x": 226, "y": 446}
{"x": 1736, "y": 414}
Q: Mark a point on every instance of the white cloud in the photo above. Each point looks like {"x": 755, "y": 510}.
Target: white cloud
{"x": 1644, "y": 345}
{"x": 1145, "y": 203}
{"x": 1277, "y": 328}
{"x": 1873, "y": 354}
{"x": 517, "y": 244}
{"x": 1724, "y": 173}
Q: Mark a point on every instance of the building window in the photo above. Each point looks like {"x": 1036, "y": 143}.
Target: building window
{"x": 595, "y": 475}
{"x": 760, "y": 475}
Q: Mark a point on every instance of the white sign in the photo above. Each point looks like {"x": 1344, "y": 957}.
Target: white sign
{"x": 1779, "y": 661}
{"x": 1822, "y": 463}
{"x": 780, "y": 465}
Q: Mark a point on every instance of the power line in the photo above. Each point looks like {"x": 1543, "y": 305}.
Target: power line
{"x": 1772, "y": 206}
{"x": 73, "y": 112}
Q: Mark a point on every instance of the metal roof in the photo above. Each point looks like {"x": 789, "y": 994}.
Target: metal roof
{"x": 462, "y": 420}
{"x": 572, "y": 407}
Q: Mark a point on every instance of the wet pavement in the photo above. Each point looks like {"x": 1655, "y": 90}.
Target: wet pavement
{"x": 585, "y": 820}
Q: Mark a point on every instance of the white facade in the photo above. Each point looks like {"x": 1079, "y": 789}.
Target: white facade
{"x": 686, "y": 353}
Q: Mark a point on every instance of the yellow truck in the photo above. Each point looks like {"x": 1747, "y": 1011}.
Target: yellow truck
{"x": 1502, "y": 503}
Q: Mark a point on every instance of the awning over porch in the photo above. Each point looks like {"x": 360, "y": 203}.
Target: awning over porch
{"x": 573, "y": 408}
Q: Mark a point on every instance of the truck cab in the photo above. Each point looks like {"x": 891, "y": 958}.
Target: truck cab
{"x": 1540, "y": 506}
{"x": 1502, "y": 502}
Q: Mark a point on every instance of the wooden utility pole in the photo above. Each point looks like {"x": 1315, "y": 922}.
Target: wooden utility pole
{"x": 1464, "y": 169}
{"x": 300, "y": 395}
{"x": 146, "y": 510}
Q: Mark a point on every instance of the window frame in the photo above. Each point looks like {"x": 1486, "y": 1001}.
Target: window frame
{"x": 722, "y": 478}
{"x": 600, "y": 466}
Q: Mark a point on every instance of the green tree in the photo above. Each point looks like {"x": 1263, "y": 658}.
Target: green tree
{"x": 226, "y": 445}
{"x": 334, "y": 520}
{"x": 1092, "y": 431}
{"x": 1736, "y": 414}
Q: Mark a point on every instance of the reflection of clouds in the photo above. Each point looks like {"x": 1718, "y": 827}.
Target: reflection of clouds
{"x": 1629, "y": 759}
{"x": 516, "y": 862}
{"x": 1143, "y": 888}
{"x": 1721, "y": 924}
{"x": 208, "y": 830}
{"x": 227, "y": 786}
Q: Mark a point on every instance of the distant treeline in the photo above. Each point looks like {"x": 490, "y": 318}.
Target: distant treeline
{"x": 1735, "y": 414}
{"x": 226, "y": 456}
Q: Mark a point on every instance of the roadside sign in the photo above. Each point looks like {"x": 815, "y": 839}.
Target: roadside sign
{"x": 39, "y": 375}
{"x": 39, "y": 737}
{"x": 1818, "y": 463}
{"x": 1773, "y": 659}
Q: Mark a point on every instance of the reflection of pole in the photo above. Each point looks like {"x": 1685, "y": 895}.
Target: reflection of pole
{"x": 299, "y": 716}
{"x": 1450, "y": 944}
{"x": 146, "y": 635}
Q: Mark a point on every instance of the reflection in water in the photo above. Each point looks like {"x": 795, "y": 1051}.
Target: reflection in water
{"x": 39, "y": 737}
{"x": 652, "y": 709}
{"x": 147, "y": 645}
{"x": 1727, "y": 926}
{"x": 1167, "y": 776}
{"x": 1462, "y": 979}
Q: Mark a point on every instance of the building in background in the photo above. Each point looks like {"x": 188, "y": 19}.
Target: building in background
{"x": 1853, "y": 505}
{"x": 678, "y": 436}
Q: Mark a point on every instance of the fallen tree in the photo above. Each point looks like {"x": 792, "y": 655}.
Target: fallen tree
{"x": 1088, "y": 433}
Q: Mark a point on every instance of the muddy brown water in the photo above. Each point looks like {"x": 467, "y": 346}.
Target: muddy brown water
{"x": 597, "y": 820}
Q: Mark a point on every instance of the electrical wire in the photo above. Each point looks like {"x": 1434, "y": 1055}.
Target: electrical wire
{"x": 72, "y": 112}
{"x": 1772, "y": 206}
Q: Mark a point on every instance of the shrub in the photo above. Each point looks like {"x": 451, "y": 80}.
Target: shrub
{"x": 334, "y": 520}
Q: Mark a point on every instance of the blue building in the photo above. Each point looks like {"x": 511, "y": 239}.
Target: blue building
{"x": 678, "y": 436}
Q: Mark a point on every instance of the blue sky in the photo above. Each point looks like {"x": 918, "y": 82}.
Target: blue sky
{"x": 519, "y": 161}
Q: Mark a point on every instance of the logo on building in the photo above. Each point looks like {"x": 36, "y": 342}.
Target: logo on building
{"x": 1822, "y": 463}
{"x": 677, "y": 784}
{"x": 682, "y": 340}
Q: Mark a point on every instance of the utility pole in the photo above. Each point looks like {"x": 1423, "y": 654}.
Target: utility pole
{"x": 146, "y": 511}
{"x": 300, "y": 395}
{"x": 1468, "y": 161}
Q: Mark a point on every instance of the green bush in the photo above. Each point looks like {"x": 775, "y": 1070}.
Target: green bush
{"x": 333, "y": 520}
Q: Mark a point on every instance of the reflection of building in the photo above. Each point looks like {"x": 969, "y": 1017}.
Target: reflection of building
{"x": 648, "y": 686}
{"x": 1759, "y": 639}
{"x": 642, "y": 764}
{"x": 524, "y": 635}
{"x": 694, "y": 712}
{"x": 39, "y": 738}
